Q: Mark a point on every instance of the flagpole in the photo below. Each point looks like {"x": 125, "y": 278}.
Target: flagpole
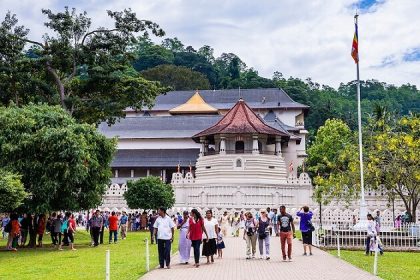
{"x": 363, "y": 207}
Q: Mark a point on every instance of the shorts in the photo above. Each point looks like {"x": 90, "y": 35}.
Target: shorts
{"x": 307, "y": 237}
{"x": 220, "y": 245}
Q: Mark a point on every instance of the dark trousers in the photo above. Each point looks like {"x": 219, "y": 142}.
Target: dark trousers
{"x": 101, "y": 236}
{"x": 65, "y": 238}
{"x": 95, "y": 233}
{"x": 164, "y": 249}
{"x": 367, "y": 244}
{"x": 56, "y": 238}
{"x": 153, "y": 238}
{"x": 115, "y": 233}
{"x": 196, "y": 248}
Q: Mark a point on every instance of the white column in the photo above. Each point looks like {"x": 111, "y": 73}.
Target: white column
{"x": 164, "y": 175}
{"x": 278, "y": 147}
{"x": 148, "y": 172}
{"x": 255, "y": 150}
{"x": 222, "y": 146}
{"x": 202, "y": 146}
{"x": 132, "y": 173}
{"x": 116, "y": 173}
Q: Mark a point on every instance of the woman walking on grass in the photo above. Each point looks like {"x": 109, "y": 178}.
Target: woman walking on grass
{"x": 195, "y": 234}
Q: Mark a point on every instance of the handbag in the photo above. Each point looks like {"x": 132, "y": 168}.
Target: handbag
{"x": 262, "y": 235}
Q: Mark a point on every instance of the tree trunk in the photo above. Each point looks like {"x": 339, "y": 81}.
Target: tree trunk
{"x": 58, "y": 82}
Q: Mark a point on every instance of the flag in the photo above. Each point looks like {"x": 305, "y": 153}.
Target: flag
{"x": 355, "y": 45}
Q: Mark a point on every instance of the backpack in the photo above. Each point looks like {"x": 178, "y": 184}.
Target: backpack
{"x": 250, "y": 230}
{"x": 8, "y": 227}
{"x": 310, "y": 225}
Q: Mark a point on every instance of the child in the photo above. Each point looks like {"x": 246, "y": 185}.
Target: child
{"x": 220, "y": 243}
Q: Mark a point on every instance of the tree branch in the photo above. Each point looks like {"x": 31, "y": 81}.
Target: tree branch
{"x": 58, "y": 82}
{"x": 97, "y": 31}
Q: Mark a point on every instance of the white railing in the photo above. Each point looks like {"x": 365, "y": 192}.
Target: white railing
{"x": 330, "y": 235}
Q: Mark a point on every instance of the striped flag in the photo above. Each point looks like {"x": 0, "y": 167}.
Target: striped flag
{"x": 355, "y": 45}
{"x": 291, "y": 167}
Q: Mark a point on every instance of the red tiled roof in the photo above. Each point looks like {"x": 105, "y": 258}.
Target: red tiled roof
{"x": 240, "y": 119}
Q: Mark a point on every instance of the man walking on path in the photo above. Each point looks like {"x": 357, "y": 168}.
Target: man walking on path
{"x": 287, "y": 232}
{"x": 164, "y": 228}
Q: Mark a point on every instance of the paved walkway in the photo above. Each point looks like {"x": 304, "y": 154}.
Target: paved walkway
{"x": 234, "y": 266}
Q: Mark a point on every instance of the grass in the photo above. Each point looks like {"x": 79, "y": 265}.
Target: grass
{"x": 391, "y": 266}
{"x": 127, "y": 259}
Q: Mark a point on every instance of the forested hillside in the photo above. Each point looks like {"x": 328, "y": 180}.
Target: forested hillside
{"x": 229, "y": 71}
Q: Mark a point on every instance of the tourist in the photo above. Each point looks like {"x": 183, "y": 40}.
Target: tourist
{"x": 113, "y": 227}
{"x": 57, "y": 230}
{"x": 371, "y": 232}
{"x": 220, "y": 243}
{"x": 123, "y": 225}
{"x": 104, "y": 217}
{"x": 24, "y": 230}
{"x": 224, "y": 223}
{"x": 32, "y": 231}
{"x": 4, "y": 222}
{"x": 250, "y": 235}
{"x": 209, "y": 247}
{"x": 184, "y": 246}
{"x": 137, "y": 222}
{"x": 195, "y": 234}
{"x": 129, "y": 222}
{"x": 270, "y": 215}
{"x": 397, "y": 222}
{"x": 143, "y": 221}
{"x": 64, "y": 231}
{"x": 287, "y": 232}
{"x": 274, "y": 222}
{"x": 235, "y": 224}
{"x": 264, "y": 234}
{"x": 164, "y": 229}
{"x": 242, "y": 220}
{"x": 152, "y": 220}
{"x": 41, "y": 229}
{"x": 71, "y": 230}
{"x": 96, "y": 225}
{"x": 305, "y": 227}
{"x": 13, "y": 232}
{"x": 378, "y": 222}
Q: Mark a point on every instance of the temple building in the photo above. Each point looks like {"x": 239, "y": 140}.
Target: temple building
{"x": 219, "y": 149}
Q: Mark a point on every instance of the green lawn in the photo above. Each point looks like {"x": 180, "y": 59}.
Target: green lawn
{"x": 391, "y": 266}
{"x": 127, "y": 259}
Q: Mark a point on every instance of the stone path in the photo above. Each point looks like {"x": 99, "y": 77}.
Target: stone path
{"x": 234, "y": 266}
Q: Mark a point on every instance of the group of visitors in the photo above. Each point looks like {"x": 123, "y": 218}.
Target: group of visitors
{"x": 207, "y": 233}
{"x": 115, "y": 222}
{"x": 17, "y": 230}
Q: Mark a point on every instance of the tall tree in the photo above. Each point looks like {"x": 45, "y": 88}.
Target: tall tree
{"x": 63, "y": 164}
{"x": 177, "y": 77}
{"x": 89, "y": 69}
{"x": 149, "y": 193}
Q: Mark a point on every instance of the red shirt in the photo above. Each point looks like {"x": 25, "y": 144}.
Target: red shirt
{"x": 41, "y": 226}
{"x": 72, "y": 222}
{"x": 196, "y": 229}
{"x": 113, "y": 222}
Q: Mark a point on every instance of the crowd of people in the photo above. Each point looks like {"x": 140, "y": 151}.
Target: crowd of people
{"x": 204, "y": 235}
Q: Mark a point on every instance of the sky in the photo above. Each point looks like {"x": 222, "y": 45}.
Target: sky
{"x": 306, "y": 38}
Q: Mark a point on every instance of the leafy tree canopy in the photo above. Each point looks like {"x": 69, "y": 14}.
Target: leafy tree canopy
{"x": 12, "y": 191}
{"x": 63, "y": 164}
{"x": 86, "y": 70}
{"x": 149, "y": 193}
{"x": 177, "y": 77}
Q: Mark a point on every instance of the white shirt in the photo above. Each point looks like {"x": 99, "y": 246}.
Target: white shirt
{"x": 371, "y": 228}
{"x": 164, "y": 226}
{"x": 210, "y": 228}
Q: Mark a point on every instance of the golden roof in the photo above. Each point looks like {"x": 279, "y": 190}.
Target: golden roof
{"x": 194, "y": 105}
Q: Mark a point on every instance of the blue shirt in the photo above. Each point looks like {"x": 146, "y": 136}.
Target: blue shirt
{"x": 123, "y": 220}
{"x": 304, "y": 218}
{"x": 5, "y": 221}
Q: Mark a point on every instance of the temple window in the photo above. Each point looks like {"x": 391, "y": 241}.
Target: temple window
{"x": 238, "y": 163}
{"x": 239, "y": 146}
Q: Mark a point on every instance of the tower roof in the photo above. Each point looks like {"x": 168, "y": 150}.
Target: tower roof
{"x": 240, "y": 119}
{"x": 194, "y": 105}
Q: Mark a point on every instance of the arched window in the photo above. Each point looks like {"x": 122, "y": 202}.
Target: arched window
{"x": 239, "y": 147}
{"x": 238, "y": 163}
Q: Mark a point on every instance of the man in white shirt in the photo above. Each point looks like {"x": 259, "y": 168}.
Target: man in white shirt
{"x": 164, "y": 229}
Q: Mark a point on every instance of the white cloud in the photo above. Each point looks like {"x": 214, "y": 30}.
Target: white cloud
{"x": 298, "y": 38}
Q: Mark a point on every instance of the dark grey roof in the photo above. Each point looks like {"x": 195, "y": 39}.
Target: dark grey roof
{"x": 155, "y": 158}
{"x": 272, "y": 120}
{"x": 159, "y": 127}
{"x": 226, "y": 98}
